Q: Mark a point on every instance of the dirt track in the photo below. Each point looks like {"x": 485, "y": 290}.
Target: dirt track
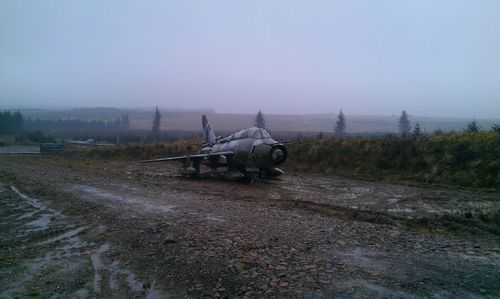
{"x": 94, "y": 228}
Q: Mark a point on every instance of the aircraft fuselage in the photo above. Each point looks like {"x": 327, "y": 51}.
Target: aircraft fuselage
{"x": 248, "y": 153}
{"x": 254, "y": 152}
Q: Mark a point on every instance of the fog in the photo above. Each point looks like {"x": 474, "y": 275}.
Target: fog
{"x": 432, "y": 58}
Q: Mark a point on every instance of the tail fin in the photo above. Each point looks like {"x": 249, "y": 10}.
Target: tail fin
{"x": 208, "y": 134}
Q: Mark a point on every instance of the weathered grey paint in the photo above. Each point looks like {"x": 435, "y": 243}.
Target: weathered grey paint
{"x": 248, "y": 153}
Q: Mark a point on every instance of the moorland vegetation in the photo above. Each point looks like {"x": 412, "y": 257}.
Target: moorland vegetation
{"x": 467, "y": 159}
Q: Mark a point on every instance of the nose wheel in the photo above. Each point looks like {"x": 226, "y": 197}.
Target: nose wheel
{"x": 256, "y": 176}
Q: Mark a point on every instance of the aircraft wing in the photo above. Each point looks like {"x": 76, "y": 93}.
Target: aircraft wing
{"x": 189, "y": 157}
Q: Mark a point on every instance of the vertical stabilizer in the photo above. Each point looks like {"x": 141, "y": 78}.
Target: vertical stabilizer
{"x": 208, "y": 134}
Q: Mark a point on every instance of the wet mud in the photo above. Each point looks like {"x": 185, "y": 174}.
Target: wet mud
{"x": 77, "y": 228}
{"x": 45, "y": 253}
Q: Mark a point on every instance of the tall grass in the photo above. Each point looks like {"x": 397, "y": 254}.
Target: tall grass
{"x": 137, "y": 151}
{"x": 459, "y": 159}
{"x": 464, "y": 159}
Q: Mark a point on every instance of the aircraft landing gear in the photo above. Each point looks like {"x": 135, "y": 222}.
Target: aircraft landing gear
{"x": 254, "y": 178}
{"x": 190, "y": 169}
{"x": 196, "y": 166}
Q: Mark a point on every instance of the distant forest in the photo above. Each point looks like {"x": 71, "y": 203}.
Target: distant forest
{"x": 15, "y": 122}
{"x": 11, "y": 122}
{"x": 122, "y": 123}
{"x": 41, "y": 130}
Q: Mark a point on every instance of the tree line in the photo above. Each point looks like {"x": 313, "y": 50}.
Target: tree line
{"x": 11, "y": 122}
{"x": 119, "y": 123}
{"x": 15, "y": 123}
{"x": 404, "y": 126}
{"x": 406, "y": 130}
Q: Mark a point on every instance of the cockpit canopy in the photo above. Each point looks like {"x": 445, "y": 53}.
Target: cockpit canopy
{"x": 254, "y": 132}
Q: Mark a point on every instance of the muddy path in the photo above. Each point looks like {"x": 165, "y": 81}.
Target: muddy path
{"x": 83, "y": 228}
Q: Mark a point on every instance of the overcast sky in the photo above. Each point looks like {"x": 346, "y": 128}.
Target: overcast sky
{"x": 430, "y": 57}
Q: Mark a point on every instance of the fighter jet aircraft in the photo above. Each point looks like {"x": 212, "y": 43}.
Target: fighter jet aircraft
{"x": 251, "y": 153}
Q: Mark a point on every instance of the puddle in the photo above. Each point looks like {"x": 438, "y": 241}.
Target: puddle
{"x": 65, "y": 235}
{"x": 42, "y": 223}
{"x": 44, "y": 213}
{"x": 30, "y": 269}
{"x": 117, "y": 274}
{"x": 28, "y": 215}
{"x": 74, "y": 246}
{"x": 154, "y": 208}
{"x": 400, "y": 210}
{"x": 274, "y": 195}
{"x": 31, "y": 201}
{"x": 97, "y": 263}
{"x": 94, "y": 192}
{"x": 103, "y": 194}
{"x": 215, "y": 218}
{"x": 153, "y": 293}
{"x": 363, "y": 288}
{"x": 66, "y": 254}
{"x": 132, "y": 282}
{"x": 436, "y": 210}
{"x": 365, "y": 258}
{"x": 64, "y": 260}
{"x": 393, "y": 200}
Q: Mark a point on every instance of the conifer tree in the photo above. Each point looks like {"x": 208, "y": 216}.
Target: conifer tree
{"x": 259, "y": 121}
{"x": 404, "y": 124}
{"x": 417, "y": 131}
{"x": 472, "y": 127}
{"x": 155, "y": 134}
{"x": 340, "y": 125}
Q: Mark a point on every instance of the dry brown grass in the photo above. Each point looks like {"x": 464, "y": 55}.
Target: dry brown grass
{"x": 138, "y": 151}
{"x": 461, "y": 159}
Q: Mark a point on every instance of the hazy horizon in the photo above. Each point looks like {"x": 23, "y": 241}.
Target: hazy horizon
{"x": 436, "y": 59}
{"x": 249, "y": 112}
{"x": 65, "y": 112}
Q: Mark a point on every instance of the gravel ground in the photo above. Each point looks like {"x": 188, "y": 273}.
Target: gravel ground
{"x": 79, "y": 228}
